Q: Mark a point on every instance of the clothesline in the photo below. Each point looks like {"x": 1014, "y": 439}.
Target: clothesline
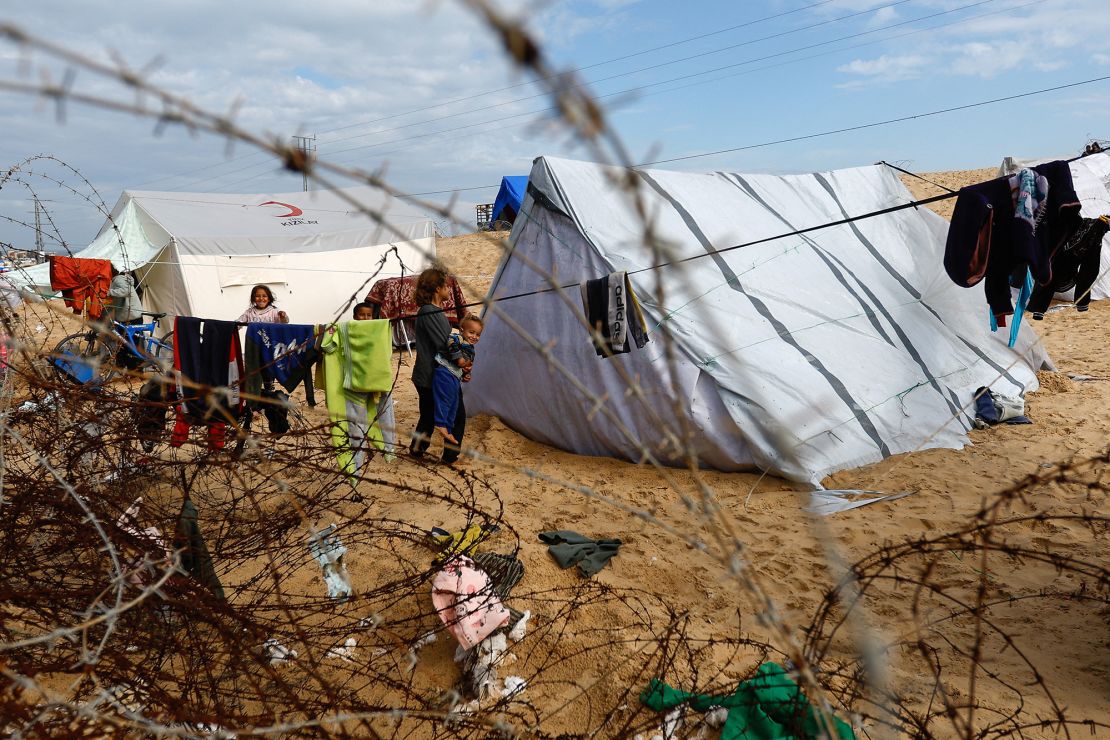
{"x": 809, "y": 229}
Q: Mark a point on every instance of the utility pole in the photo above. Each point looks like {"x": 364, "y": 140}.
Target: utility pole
{"x": 307, "y": 145}
{"x": 39, "y": 246}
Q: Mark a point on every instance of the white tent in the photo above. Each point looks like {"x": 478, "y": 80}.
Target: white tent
{"x": 1091, "y": 176}
{"x": 801, "y": 355}
{"x": 198, "y": 254}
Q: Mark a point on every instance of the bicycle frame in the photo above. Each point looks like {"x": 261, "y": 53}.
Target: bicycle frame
{"x": 129, "y": 332}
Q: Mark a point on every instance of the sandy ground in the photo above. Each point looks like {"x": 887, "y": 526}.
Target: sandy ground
{"x": 1071, "y": 420}
{"x": 577, "y": 666}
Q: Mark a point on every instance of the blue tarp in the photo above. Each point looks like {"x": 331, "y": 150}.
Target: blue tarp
{"x": 511, "y": 194}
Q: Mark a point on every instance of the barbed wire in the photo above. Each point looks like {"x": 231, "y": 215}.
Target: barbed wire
{"x": 110, "y": 627}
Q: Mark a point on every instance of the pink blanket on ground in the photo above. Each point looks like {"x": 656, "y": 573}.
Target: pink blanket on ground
{"x": 464, "y": 599}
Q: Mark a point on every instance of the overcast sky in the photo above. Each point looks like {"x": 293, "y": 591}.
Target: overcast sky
{"x": 423, "y": 89}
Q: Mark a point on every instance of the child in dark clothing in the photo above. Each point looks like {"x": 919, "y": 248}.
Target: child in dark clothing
{"x": 453, "y": 365}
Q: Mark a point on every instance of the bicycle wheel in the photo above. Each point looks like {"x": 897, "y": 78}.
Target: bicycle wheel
{"x": 85, "y": 359}
{"x": 161, "y": 351}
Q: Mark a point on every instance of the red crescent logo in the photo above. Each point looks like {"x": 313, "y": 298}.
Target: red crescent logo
{"x": 293, "y": 210}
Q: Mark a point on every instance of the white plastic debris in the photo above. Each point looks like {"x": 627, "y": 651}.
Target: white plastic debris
{"x": 277, "y": 652}
{"x": 513, "y": 686}
{"x": 716, "y": 717}
{"x": 516, "y": 634}
{"x": 328, "y": 551}
{"x": 346, "y": 652}
{"x": 49, "y": 403}
{"x": 412, "y": 655}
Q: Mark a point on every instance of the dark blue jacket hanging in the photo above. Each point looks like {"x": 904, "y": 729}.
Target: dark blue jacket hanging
{"x": 985, "y": 240}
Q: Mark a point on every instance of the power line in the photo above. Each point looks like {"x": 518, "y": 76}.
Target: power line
{"x": 581, "y": 69}
{"x": 663, "y": 82}
{"x": 874, "y": 124}
{"x": 835, "y": 131}
{"x": 640, "y": 69}
{"x": 501, "y": 121}
{"x": 511, "y": 87}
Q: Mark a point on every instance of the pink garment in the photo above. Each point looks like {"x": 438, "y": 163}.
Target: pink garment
{"x": 268, "y": 315}
{"x": 464, "y": 599}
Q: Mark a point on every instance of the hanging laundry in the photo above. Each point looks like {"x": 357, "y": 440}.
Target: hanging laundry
{"x": 356, "y": 374}
{"x": 282, "y": 353}
{"x": 770, "y": 705}
{"x": 570, "y": 548}
{"x": 395, "y": 299}
{"x": 613, "y": 312}
{"x": 994, "y": 408}
{"x": 190, "y": 544}
{"x": 464, "y": 599}
{"x": 328, "y": 551}
{"x": 1025, "y": 292}
{"x": 1005, "y": 225}
{"x": 366, "y": 355}
{"x": 84, "y": 283}
{"x": 1074, "y": 266}
{"x": 206, "y": 353}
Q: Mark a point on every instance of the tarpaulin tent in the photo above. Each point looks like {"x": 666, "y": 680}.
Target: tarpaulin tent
{"x": 199, "y": 254}
{"x": 1091, "y": 176}
{"x": 509, "y": 198}
{"x": 801, "y": 355}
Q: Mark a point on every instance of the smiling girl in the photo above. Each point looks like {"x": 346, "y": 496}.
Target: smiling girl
{"x": 262, "y": 309}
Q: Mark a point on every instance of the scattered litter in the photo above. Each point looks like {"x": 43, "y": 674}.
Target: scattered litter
{"x": 328, "y": 551}
{"x": 834, "y": 501}
{"x": 1085, "y": 378}
{"x": 208, "y": 730}
{"x": 486, "y": 656}
{"x": 673, "y": 721}
{"x": 465, "y": 600}
{"x": 994, "y": 408}
{"x": 49, "y": 402}
{"x": 516, "y": 634}
{"x": 346, "y": 653}
{"x": 150, "y": 537}
{"x": 513, "y": 686}
{"x": 571, "y": 548}
{"x": 414, "y": 649}
{"x": 277, "y": 652}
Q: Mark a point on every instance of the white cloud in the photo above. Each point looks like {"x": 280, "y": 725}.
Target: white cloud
{"x": 887, "y": 68}
{"x": 884, "y": 17}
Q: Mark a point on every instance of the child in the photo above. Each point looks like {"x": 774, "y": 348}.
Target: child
{"x": 363, "y": 312}
{"x": 453, "y": 367}
{"x": 262, "y": 309}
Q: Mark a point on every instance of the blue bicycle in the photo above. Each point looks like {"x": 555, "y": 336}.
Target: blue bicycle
{"x": 95, "y": 357}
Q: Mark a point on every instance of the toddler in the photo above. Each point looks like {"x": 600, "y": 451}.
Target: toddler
{"x": 453, "y": 365}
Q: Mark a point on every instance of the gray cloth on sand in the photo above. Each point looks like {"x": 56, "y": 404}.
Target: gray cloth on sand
{"x": 570, "y": 548}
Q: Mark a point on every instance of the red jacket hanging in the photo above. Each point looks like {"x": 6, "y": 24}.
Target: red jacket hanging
{"x": 83, "y": 283}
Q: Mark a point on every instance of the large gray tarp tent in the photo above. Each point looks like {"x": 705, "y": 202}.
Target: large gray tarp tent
{"x": 801, "y": 356}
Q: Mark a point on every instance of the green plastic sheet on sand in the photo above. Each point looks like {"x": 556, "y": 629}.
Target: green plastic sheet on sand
{"x": 770, "y": 705}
